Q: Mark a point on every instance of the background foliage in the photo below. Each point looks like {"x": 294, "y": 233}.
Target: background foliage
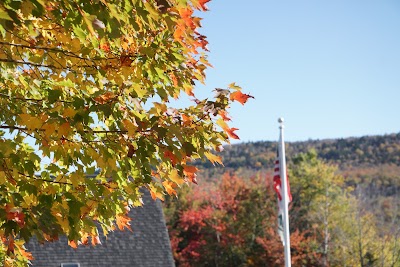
{"x": 340, "y": 215}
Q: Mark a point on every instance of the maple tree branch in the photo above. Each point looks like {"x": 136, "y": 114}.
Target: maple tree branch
{"x": 22, "y": 62}
{"x": 31, "y": 99}
{"x": 27, "y": 63}
{"x": 23, "y": 99}
{"x": 55, "y": 50}
{"x": 45, "y": 180}
{"x": 65, "y": 183}
{"x": 12, "y": 127}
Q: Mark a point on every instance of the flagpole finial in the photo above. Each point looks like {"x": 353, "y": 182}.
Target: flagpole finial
{"x": 280, "y": 120}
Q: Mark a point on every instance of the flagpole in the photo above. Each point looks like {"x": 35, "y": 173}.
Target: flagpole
{"x": 282, "y": 167}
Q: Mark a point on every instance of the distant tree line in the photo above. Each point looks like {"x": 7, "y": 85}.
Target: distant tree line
{"x": 344, "y": 152}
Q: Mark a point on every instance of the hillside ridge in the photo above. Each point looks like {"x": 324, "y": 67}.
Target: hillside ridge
{"x": 365, "y": 151}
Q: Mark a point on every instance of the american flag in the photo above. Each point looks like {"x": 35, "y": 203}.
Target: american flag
{"x": 279, "y": 191}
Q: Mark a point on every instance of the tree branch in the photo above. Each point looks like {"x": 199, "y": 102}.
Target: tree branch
{"x": 12, "y": 127}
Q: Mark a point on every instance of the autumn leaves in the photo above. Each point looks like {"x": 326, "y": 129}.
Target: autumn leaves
{"x": 90, "y": 84}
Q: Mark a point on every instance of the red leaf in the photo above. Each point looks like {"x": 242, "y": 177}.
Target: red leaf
{"x": 240, "y": 97}
{"x": 11, "y": 246}
{"x": 231, "y": 133}
{"x": 202, "y": 5}
{"x": 16, "y": 215}
{"x": 171, "y": 156}
{"x": 125, "y": 60}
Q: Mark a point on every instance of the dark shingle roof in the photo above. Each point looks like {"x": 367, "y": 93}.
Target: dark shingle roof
{"x": 147, "y": 246}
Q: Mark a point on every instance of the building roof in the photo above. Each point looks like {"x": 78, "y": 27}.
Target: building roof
{"x": 147, "y": 246}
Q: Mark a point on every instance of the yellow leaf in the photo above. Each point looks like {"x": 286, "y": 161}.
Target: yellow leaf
{"x": 213, "y": 158}
{"x": 76, "y": 179}
{"x": 130, "y": 127}
{"x": 3, "y": 178}
{"x": 69, "y": 112}
{"x": 222, "y": 124}
{"x": 174, "y": 176}
{"x": 76, "y": 44}
{"x": 100, "y": 163}
{"x": 161, "y": 107}
{"x": 234, "y": 86}
{"x": 126, "y": 71}
{"x": 63, "y": 222}
{"x": 31, "y": 122}
{"x": 112, "y": 163}
{"x": 30, "y": 199}
{"x": 92, "y": 153}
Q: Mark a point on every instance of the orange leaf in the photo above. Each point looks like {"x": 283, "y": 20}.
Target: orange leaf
{"x": 64, "y": 129}
{"x": 85, "y": 239}
{"x": 123, "y": 221}
{"x": 11, "y": 246}
{"x": 187, "y": 120}
{"x": 179, "y": 32}
{"x": 102, "y": 99}
{"x": 169, "y": 186}
{"x": 174, "y": 79}
{"x": 240, "y": 97}
{"x": 105, "y": 47}
{"x": 26, "y": 254}
{"x": 96, "y": 240}
{"x": 190, "y": 172}
{"x": 186, "y": 15}
{"x": 72, "y": 244}
{"x": 224, "y": 115}
{"x": 155, "y": 194}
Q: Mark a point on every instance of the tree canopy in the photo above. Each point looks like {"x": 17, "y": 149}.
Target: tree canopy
{"x": 86, "y": 120}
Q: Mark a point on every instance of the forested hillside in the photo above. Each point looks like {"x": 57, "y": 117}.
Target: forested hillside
{"x": 344, "y": 152}
{"x": 355, "y": 157}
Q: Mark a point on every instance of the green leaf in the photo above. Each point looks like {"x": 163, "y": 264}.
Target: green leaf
{"x": 54, "y": 95}
{"x": 80, "y": 33}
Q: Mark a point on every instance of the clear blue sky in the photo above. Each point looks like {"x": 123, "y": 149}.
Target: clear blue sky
{"x": 330, "y": 68}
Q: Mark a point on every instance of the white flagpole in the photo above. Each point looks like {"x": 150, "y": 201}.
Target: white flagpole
{"x": 282, "y": 168}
